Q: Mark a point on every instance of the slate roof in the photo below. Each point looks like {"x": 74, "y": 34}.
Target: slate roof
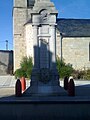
{"x": 74, "y": 27}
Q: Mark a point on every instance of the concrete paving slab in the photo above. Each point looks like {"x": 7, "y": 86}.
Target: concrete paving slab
{"x": 82, "y": 89}
{"x": 5, "y": 92}
{"x": 10, "y": 81}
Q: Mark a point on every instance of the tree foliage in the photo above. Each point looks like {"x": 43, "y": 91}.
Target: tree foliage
{"x": 63, "y": 68}
{"x": 25, "y": 70}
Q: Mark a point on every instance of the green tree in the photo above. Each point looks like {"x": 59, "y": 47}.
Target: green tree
{"x": 63, "y": 69}
{"x": 25, "y": 70}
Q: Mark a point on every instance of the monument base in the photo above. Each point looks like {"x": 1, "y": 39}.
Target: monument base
{"x": 45, "y": 91}
{"x": 45, "y": 82}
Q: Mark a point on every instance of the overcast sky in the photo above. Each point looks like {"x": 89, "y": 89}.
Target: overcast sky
{"x": 79, "y": 9}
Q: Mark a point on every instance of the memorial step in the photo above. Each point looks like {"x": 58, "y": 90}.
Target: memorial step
{"x": 45, "y": 91}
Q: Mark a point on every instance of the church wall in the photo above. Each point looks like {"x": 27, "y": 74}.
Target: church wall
{"x": 75, "y": 50}
{"x": 19, "y": 19}
{"x": 29, "y": 40}
{"x": 21, "y": 14}
{"x": 58, "y": 43}
{"x": 20, "y": 3}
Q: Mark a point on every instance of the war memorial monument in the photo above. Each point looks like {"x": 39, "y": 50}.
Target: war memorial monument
{"x": 45, "y": 99}
{"x": 44, "y": 78}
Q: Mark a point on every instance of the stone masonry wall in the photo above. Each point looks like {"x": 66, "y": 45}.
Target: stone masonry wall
{"x": 29, "y": 40}
{"x": 76, "y": 52}
{"x": 20, "y": 3}
{"x": 6, "y": 62}
{"x": 58, "y": 43}
{"x": 19, "y": 19}
{"x": 21, "y": 14}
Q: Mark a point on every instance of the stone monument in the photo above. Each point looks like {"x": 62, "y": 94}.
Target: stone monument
{"x": 45, "y": 79}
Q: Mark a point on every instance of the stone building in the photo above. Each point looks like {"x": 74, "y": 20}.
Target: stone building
{"x": 75, "y": 42}
{"x": 6, "y": 62}
{"x": 72, "y": 36}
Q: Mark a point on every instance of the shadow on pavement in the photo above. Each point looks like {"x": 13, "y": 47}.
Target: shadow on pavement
{"x": 81, "y": 92}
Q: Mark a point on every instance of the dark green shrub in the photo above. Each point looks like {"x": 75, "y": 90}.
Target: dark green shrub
{"x": 67, "y": 70}
{"x": 78, "y": 74}
{"x": 63, "y": 69}
{"x": 19, "y": 73}
{"x": 25, "y": 70}
{"x": 24, "y": 63}
{"x": 87, "y": 75}
{"x": 28, "y": 72}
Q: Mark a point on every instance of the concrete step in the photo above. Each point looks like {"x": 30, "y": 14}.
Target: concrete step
{"x": 45, "y": 91}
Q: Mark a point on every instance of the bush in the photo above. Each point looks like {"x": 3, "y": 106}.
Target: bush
{"x": 87, "y": 75}
{"x": 25, "y": 70}
{"x": 84, "y": 74}
{"x": 78, "y": 74}
{"x": 19, "y": 73}
{"x": 63, "y": 69}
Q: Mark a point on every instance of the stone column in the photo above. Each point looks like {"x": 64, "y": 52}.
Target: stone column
{"x": 53, "y": 47}
{"x": 35, "y": 47}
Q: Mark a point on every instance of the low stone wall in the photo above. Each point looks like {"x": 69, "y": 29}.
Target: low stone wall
{"x": 6, "y": 62}
{"x": 44, "y": 111}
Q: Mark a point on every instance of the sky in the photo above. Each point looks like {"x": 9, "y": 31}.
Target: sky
{"x": 78, "y": 9}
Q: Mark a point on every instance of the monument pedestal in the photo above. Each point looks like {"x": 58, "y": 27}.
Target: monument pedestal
{"x": 45, "y": 83}
{"x": 44, "y": 76}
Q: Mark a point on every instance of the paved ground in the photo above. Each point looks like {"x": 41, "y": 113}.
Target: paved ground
{"x": 7, "y": 87}
{"x": 9, "y": 81}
